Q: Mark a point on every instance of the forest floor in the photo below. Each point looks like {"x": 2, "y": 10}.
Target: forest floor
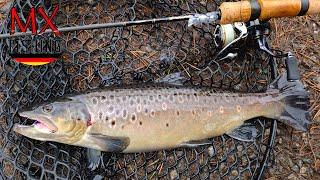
{"x": 297, "y": 154}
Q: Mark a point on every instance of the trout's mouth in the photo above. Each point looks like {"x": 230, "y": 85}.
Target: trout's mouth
{"x": 39, "y": 122}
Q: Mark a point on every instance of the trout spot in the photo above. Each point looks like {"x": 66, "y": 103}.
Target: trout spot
{"x": 113, "y": 123}
{"x": 110, "y": 109}
{"x": 188, "y": 97}
{"x": 221, "y": 110}
{"x": 133, "y": 117}
{"x": 124, "y": 114}
{"x": 180, "y": 99}
{"x": 100, "y": 115}
{"x": 139, "y": 108}
{"x": 94, "y": 101}
{"x": 196, "y": 98}
{"x": 144, "y": 101}
{"x": 118, "y": 113}
{"x": 215, "y": 100}
{"x": 131, "y": 102}
{"x": 164, "y": 106}
{"x": 227, "y": 98}
{"x": 238, "y": 108}
{"x": 118, "y": 100}
{"x": 152, "y": 113}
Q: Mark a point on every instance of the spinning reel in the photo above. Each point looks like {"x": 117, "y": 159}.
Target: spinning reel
{"x": 254, "y": 33}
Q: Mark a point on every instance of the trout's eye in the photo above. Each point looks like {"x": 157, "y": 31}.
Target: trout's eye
{"x": 47, "y": 108}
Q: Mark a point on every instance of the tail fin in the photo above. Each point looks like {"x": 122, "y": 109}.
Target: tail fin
{"x": 296, "y": 101}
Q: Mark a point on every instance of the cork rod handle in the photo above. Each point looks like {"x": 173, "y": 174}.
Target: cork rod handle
{"x": 243, "y": 11}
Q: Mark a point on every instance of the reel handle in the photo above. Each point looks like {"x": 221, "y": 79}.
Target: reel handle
{"x": 244, "y": 11}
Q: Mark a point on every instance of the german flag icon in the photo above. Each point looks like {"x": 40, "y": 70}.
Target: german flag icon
{"x": 35, "y": 59}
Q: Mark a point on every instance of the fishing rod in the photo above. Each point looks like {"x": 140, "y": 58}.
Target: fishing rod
{"x": 229, "y": 12}
{"x": 106, "y": 25}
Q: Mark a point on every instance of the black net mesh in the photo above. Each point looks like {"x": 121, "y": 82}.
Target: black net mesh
{"x": 104, "y": 57}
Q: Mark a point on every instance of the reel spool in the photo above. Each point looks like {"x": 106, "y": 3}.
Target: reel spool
{"x": 227, "y": 34}
{"x": 224, "y": 35}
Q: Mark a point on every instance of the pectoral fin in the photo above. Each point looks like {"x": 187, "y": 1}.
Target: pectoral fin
{"x": 246, "y": 132}
{"x": 108, "y": 143}
{"x": 94, "y": 158}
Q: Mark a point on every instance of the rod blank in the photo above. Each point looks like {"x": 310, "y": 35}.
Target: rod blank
{"x": 105, "y": 25}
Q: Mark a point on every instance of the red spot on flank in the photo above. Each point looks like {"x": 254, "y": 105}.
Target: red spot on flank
{"x": 90, "y": 122}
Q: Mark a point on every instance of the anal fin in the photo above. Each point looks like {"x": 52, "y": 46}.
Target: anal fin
{"x": 246, "y": 132}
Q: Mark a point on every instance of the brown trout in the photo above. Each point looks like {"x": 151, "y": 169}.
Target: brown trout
{"x": 152, "y": 118}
